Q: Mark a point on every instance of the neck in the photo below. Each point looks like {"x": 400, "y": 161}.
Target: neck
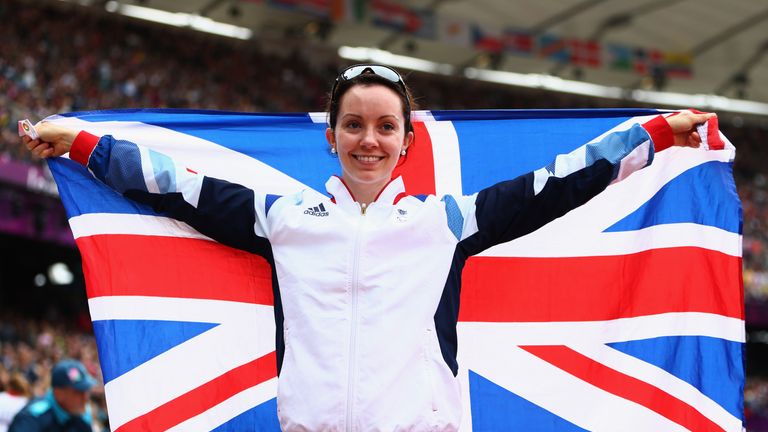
{"x": 365, "y": 193}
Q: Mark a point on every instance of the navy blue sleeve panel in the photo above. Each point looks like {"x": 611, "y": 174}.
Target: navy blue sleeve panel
{"x": 224, "y": 213}
{"x": 510, "y": 209}
{"x": 447, "y": 313}
{"x": 219, "y": 209}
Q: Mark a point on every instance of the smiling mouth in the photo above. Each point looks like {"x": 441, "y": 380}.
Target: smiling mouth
{"x": 367, "y": 158}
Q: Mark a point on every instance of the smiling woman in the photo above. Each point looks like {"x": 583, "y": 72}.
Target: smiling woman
{"x": 369, "y": 138}
{"x": 366, "y": 339}
{"x": 370, "y": 127}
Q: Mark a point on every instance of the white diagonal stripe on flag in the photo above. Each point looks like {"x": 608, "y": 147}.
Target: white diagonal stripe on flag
{"x": 618, "y": 330}
{"x": 611, "y": 205}
{"x": 91, "y": 224}
{"x": 565, "y": 395}
{"x": 446, "y": 157}
{"x": 661, "y": 379}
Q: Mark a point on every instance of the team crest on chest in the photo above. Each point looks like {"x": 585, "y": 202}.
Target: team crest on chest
{"x": 402, "y": 215}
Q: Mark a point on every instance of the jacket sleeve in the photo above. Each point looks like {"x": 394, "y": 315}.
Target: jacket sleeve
{"x": 230, "y": 213}
{"x": 514, "y": 208}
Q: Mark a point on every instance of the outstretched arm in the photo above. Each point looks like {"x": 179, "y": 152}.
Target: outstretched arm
{"x": 221, "y": 210}
{"x": 514, "y": 208}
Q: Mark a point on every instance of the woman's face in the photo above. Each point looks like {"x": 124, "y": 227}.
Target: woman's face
{"x": 369, "y": 135}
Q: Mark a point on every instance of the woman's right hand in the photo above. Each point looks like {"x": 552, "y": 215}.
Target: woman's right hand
{"x": 54, "y": 140}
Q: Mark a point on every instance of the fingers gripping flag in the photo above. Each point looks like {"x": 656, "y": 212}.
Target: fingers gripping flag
{"x": 625, "y": 314}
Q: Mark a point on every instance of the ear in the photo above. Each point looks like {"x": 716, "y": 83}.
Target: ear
{"x": 330, "y": 138}
{"x": 408, "y": 140}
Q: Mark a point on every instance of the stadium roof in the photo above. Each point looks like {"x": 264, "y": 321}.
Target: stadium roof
{"x": 727, "y": 40}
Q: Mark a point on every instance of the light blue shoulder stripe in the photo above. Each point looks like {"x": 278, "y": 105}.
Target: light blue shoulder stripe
{"x": 454, "y": 216}
{"x": 616, "y": 146}
{"x": 164, "y": 171}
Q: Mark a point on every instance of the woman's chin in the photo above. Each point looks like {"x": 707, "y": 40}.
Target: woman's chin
{"x": 367, "y": 178}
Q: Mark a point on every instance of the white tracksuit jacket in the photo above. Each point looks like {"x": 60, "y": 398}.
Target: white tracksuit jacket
{"x": 366, "y": 303}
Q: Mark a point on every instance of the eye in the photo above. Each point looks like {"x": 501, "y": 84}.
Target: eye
{"x": 352, "y": 124}
{"x": 388, "y": 127}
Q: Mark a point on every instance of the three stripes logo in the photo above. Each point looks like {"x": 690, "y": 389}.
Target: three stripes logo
{"x": 318, "y": 210}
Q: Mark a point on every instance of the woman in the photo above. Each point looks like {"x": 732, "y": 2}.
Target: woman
{"x": 366, "y": 315}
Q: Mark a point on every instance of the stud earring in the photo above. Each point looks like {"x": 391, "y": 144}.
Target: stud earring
{"x": 333, "y": 150}
{"x": 402, "y": 152}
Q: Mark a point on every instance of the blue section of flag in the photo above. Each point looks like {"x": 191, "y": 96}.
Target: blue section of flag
{"x": 495, "y": 408}
{"x": 168, "y": 117}
{"x": 496, "y": 150}
{"x": 564, "y": 115}
{"x": 296, "y": 148}
{"x": 83, "y": 194}
{"x": 262, "y": 418}
{"x": 691, "y": 198}
{"x": 125, "y": 344}
{"x": 720, "y": 377}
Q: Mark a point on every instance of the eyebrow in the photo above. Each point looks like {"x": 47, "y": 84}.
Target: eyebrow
{"x": 380, "y": 117}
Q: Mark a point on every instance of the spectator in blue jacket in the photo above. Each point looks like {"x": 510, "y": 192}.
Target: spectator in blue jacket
{"x": 64, "y": 408}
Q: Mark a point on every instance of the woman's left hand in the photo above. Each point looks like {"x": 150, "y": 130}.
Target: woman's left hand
{"x": 684, "y": 125}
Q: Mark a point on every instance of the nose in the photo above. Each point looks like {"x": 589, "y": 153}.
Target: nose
{"x": 368, "y": 140}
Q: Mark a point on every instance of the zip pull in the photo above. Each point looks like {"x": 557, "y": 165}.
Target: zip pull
{"x": 363, "y": 206}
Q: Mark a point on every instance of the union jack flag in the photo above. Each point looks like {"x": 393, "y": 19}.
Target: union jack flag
{"x": 625, "y": 314}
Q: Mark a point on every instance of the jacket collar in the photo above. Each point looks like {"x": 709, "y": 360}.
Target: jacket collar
{"x": 343, "y": 197}
{"x": 63, "y": 416}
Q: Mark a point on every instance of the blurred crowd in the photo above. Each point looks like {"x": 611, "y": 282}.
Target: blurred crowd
{"x": 82, "y": 61}
{"x": 751, "y": 173}
{"x": 756, "y": 404}
{"x": 30, "y": 348}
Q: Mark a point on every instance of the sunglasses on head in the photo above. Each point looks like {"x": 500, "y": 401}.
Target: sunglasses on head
{"x": 378, "y": 70}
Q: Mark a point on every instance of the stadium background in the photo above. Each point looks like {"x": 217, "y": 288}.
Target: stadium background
{"x": 59, "y": 56}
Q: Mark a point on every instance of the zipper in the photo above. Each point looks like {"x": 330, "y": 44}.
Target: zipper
{"x": 353, "y": 318}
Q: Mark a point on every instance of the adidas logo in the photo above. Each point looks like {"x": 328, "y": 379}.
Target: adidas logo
{"x": 317, "y": 211}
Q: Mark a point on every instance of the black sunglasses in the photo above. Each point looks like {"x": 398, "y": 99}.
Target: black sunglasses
{"x": 379, "y": 70}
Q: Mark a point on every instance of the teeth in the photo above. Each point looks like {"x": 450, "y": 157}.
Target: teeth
{"x": 368, "y": 158}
